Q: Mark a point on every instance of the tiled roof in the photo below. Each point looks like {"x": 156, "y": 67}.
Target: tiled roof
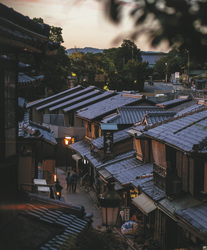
{"x": 75, "y": 100}
{"x": 118, "y": 136}
{"x": 156, "y": 117}
{"x": 153, "y": 191}
{"x": 181, "y": 107}
{"x": 188, "y": 133}
{"x": 44, "y": 223}
{"x": 32, "y": 130}
{"x": 195, "y": 107}
{"x": 126, "y": 171}
{"x": 175, "y": 102}
{"x": 81, "y": 147}
{"x": 126, "y": 175}
{"x": 107, "y": 106}
{"x": 89, "y": 101}
{"x": 130, "y": 114}
{"x": 54, "y": 97}
{"x": 28, "y": 80}
{"x": 72, "y": 94}
{"x": 196, "y": 217}
{"x": 97, "y": 163}
{"x": 22, "y": 33}
{"x": 140, "y": 181}
{"x": 179, "y": 203}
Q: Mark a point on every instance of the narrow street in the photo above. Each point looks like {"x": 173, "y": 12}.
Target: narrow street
{"x": 80, "y": 198}
{"x": 83, "y": 199}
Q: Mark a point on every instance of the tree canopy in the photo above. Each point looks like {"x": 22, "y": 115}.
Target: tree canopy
{"x": 55, "y": 68}
{"x": 180, "y": 22}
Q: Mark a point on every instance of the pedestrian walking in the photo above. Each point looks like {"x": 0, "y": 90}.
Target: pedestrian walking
{"x": 74, "y": 182}
{"x": 69, "y": 182}
{"x": 58, "y": 189}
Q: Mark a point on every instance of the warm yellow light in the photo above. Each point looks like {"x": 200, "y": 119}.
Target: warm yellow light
{"x": 67, "y": 140}
{"x": 55, "y": 177}
{"x": 58, "y": 193}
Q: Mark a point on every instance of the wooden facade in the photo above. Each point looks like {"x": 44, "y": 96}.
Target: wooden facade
{"x": 143, "y": 149}
{"x": 19, "y": 35}
{"x": 8, "y": 128}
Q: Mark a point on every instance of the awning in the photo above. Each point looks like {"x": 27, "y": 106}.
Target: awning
{"x": 144, "y": 203}
{"x": 76, "y": 157}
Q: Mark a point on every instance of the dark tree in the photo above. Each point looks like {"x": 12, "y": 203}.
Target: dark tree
{"x": 180, "y": 22}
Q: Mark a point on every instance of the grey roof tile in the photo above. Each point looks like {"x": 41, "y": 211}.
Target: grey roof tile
{"x": 175, "y": 102}
{"x": 130, "y": 114}
{"x": 89, "y": 101}
{"x": 107, "y": 106}
{"x": 196, "y": 216}
{"x": 97, "y": 163}
{"x": 33, "y": 130}
{"x": 188, "y": 133}
{"x": 82, "y": 147}
{"x": 189, "y": 109}
{"x": 91, "y": 92}
{"x": 126, "y": 171}
{"x": 155, "y": 117}
{"x": 56, "y": 101}
{"x": 45, "y": 100}
{"x": 72, "y": 225}
{"x": 153, "y": 191}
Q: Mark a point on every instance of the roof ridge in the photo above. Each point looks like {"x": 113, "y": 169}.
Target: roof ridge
{"x": 40, "y": 126}
{"x": 151, "y": 113}
{"x": 174, "y": 118}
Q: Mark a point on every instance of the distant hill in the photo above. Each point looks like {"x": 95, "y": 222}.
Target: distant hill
{"x": 148, "y": 56}
{"x": 84, "y": 50}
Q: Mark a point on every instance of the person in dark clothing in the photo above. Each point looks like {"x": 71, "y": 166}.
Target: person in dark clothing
{"x": 69, "y": 182}
{"x": 58, "y": 189}
{"x": 74, "y": 182}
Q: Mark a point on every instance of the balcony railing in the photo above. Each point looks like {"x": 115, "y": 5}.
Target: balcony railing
{"x": 160, "y": 170}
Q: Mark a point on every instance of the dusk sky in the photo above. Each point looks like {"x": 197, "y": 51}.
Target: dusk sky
{"x": 83, "y": 22}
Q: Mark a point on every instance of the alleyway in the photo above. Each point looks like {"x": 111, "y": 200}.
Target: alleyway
{"x": 80, "y": 198}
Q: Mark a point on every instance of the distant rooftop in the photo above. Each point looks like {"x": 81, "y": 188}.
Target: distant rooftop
{"x": 108, "y": 106}
{"x": 64, "y": 97}
{"x": 130, "y": 114}
{"x": 175, "y": 102}
{"x": 54, "y": 97}
{"x": 156, "y": 117}
{"x": 89, "y": 101}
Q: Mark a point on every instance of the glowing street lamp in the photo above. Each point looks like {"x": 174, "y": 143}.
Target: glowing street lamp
{"x": 67, "y": 141}
{"x": 110, "y": 202}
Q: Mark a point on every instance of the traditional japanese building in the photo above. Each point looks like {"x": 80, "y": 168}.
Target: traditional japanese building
{"x": 18, "y": 35}
{"x": 177, "y": 193}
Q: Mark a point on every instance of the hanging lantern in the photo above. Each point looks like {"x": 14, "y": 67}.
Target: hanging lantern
{"x": 110, "y": 202}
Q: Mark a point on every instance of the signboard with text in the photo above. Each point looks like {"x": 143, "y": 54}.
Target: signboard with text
{"x": 108, "y": 142}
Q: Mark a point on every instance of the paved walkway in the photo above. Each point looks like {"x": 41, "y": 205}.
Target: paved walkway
{"x": 80, "y": 198}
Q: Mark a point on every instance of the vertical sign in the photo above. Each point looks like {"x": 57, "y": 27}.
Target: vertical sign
{"x": 108, "y": 142}
{"x": 126, "y": 214}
